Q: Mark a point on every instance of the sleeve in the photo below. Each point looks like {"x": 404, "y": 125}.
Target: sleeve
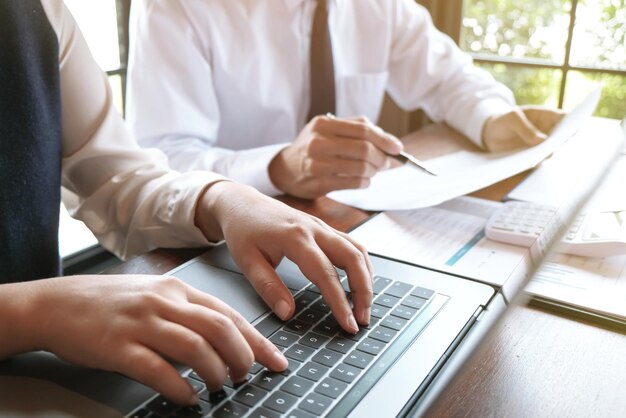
{"x": 128, "y": 196}
{"x": 172, "y": 102}
{"x": 428, "y": 70}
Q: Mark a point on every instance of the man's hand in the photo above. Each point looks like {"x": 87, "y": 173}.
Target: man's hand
{"x": 523, "y": 127}
{"x": 128, "y": 324}
{"x": 332, "y": 154}
{"x": 260, "y": 231}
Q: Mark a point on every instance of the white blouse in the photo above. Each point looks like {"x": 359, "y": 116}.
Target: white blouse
{"x": 127, "y": 195}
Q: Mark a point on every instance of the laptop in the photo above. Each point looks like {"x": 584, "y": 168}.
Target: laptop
{"x": 425, "y": 325}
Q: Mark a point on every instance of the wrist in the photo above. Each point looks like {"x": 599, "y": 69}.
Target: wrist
{"x": 278, "y": 171}
{"x": 206, "y": 217}
{"x": 20, "y": 323}
{"x": 218, "y": 203}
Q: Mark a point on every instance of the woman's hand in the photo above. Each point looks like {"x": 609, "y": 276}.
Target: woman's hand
{"x": 260, "y": 231}
{"x": 131, "y": 325}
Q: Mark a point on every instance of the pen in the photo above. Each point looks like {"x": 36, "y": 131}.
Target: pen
{"x": 404, "y": 157}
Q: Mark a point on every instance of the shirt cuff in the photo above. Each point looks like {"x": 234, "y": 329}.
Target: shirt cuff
{"x": 252, "y": 167}
{"x": 484, "y": 109}
{"x": 185, "y": 204}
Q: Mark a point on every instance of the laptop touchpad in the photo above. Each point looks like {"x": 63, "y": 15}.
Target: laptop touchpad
{"x": 232, "y": 288}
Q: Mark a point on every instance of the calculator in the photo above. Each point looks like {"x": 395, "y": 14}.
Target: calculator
{"x": 595, "y": 234}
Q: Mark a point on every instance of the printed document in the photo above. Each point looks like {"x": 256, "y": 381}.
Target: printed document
{"x": 459, "y": 173}
{"x": 450, "y": 238}
{"x": 593, "y": 284}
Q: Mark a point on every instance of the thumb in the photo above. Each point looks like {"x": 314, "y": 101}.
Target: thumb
{"x": 385, "y": 141}
{"x": 526, "y": 130}
{"x": 266, "y": 282}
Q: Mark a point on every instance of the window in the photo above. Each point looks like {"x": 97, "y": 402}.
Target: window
{"x": 103, "y": 23}
{"x": 551, "y": 52}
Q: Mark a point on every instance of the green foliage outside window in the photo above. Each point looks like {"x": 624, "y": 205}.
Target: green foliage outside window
{"x": 537, "y": 30}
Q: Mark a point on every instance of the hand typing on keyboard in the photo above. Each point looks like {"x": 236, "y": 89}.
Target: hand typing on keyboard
{"x": 132, "y": 324}
{"x": 127, "y": 323}
{"x": 329, "y": 369}
{"x": 260, "y": 231}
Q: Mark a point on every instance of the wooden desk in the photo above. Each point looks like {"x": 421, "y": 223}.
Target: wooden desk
{"x": 537, "y": 364}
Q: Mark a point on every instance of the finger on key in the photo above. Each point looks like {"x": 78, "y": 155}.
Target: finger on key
{"x": 144, "y": 365}
{"x": 316, "y": 266}
{"x": 218, "y": 331}
{"x": 264, "y": 351}
{"x": 266, "y": 282}
{"x": 179, "y": 343}
{"x": 352, "y": 258}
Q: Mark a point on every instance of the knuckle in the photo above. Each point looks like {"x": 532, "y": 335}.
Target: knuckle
{"x": 298, "y": 230}
{"x": 315, "y": 145}
{"x": 371, "y": 152}
{"x": 363, "y": 130}
{"x": 357, "y": 256}
{"x": 150, "y": 299}
{"x": 237, "y": 319}
{"x": 169, "y": 282}
{"x": 193, "y": 348}
{"x": 317, "y": 122}
{"x": 360, "y": 247}
{"x": 267, "y": 288}
{"x": 149, "y": 368}
{"x": 221, "y": 324}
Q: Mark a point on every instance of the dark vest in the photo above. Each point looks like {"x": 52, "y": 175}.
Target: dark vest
{"x": 30, "y": 143}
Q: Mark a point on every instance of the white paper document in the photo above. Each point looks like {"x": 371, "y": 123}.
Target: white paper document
{"x": 459, "y": 173}
{"x": 594, "y": 284}
{"x": 448, "y": 237}
{"x": 555, "y": 180}
{"x": 591, "y": 284}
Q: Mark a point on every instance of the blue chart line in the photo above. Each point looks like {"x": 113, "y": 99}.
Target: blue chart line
{"x": 464, "y": 249}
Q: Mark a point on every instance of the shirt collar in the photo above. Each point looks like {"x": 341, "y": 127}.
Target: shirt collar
{"x": 292, "y": 4}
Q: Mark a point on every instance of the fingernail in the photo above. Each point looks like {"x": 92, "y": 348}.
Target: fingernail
{"x": 282, "y": 309}
{"x": 194, "y": 399}
{"x": 352, "y": 323}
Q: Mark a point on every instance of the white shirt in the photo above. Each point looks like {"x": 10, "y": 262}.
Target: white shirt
{"x": 224, "y": 85}
{"x": 128, "y": 196}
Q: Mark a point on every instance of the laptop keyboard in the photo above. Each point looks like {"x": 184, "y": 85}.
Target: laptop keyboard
{"x": 329, "y": 371}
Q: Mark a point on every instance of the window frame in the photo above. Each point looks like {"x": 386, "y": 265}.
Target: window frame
{"x": 565, "y": 68}
{"x": 448, "y": 17}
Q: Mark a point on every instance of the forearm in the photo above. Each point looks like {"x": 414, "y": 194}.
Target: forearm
{"x": 129, "y": 197}
{"x": 17, "y": 319}
{"x": 249, "y": 166}
{"x": 444, "y": 81}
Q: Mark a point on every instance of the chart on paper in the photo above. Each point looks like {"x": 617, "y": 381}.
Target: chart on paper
{"x": 448, "y": 237}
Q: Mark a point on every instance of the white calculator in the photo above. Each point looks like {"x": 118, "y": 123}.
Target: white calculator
{"x": 597, "y": 234}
